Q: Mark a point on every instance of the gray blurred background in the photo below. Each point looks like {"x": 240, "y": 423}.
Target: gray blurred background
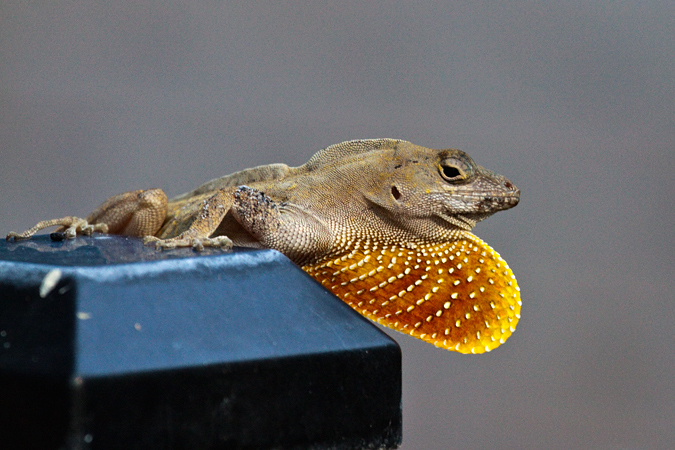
{"x": 573, "y": 101}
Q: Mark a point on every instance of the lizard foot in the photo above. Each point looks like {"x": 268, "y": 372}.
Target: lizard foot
{"x": 197, "y": 244}
{"x": 70, "y": 227}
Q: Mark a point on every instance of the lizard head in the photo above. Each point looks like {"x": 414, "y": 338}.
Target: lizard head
{"x": 435, "y": 191}
{"x": 388, "y": 190}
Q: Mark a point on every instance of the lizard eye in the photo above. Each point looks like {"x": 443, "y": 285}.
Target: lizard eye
{"x": 453, "y": 170}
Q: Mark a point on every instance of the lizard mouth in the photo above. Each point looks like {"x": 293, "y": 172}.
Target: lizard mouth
{"x": 477, "y": 208}
{"x": 491, "y": 203}
{"x": 498, "y": 203}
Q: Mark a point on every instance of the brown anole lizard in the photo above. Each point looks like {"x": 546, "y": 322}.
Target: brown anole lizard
{"x": 384, "y": 224}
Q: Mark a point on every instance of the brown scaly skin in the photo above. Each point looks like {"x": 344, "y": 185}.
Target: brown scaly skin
{"x": 384, "y": 224}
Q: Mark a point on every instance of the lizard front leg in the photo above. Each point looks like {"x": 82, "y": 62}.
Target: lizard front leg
{"x": 136, "y": 213}
{"x": 283, "y": 226}
{"x": 207, "y": 219}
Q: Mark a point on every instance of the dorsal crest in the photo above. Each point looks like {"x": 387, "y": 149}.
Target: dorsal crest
{"x": 338, "y": 152}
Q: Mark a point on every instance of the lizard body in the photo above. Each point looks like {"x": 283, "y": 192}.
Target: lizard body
{"x": 384, "y": 224}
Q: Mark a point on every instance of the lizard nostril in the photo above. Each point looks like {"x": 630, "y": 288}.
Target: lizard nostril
{"x": 508, "y": 185}
{"x": 395, "y": 192}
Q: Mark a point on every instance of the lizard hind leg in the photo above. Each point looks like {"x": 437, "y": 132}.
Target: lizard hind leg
{"x": 69, "y": 226}
{"x": 136, "y": 213}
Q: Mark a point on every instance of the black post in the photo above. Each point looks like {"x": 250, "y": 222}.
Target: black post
{"x": 107, "y": 344}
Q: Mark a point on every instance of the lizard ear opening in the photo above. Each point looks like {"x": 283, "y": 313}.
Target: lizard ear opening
{"x": 395, "y": 192}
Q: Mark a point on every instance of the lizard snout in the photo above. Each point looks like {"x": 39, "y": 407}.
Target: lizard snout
{"x": 508, "y": 198}
{"x": 505, "y": 197}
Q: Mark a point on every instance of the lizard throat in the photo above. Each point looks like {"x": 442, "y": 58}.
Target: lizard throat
{"x": 459, "y": 295}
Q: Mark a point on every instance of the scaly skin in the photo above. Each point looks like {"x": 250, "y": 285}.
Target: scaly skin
{"x": 384, "y": 224}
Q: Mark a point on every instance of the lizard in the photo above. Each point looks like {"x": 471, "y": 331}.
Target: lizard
{"x": 382, "y": 223}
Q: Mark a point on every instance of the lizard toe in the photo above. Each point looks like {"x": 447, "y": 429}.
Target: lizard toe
{"x": 147, "y": 240}
{"x": 16, "y": 236}
{"x": 219, "y": 241}
{"x": 198, "y": 244}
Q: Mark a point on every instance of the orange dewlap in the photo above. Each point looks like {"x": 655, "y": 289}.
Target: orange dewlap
{"x": 458, "y": 295}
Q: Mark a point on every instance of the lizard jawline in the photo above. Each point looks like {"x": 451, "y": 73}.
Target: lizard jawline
{"x": 459, "y": 221}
